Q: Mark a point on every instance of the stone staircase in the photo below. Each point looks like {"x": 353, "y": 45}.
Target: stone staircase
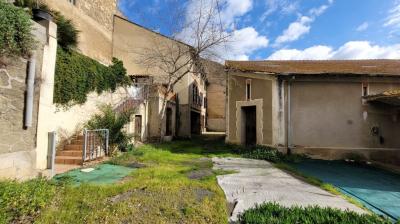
{"x": 72, "y": 152}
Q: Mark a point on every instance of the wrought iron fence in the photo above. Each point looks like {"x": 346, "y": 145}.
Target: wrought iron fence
{"x": 95, "y": 144}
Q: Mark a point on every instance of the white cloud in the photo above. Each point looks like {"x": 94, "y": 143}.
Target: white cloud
{"x": 244, "y": 42}
{"x": 316, "y": 52}
{"x": 295, "y": 30}
{"x": 393, "y": 19}
{"x": 350, "y": 50}
{"x": 234, "y": 8}
{"x": 362, "y": 27}
{"x": 281, "y": 6}
{"x": 301, "y": 26}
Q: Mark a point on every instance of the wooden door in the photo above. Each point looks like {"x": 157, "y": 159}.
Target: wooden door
{"x": 138, "y": 127}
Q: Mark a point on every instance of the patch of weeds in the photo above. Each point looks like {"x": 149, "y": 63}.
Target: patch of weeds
{"x": 270, "y": 154}
{"x": 23, "y": 202}
{"x": 273, "y": 213}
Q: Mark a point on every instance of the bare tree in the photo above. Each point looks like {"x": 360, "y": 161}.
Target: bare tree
{"x": 196, "y": 34}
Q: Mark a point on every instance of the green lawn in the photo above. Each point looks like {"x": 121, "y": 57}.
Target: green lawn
{"x": 175, "y": 185}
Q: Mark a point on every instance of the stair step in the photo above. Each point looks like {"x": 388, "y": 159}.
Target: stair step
{"x": 74, "y": 153}
{"x": 70, "y": 160}
{"x": 77, "y": 142}
{"x": 73, "y": 147}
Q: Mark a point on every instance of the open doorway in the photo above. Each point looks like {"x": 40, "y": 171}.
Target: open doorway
{"x": 168, "y": 131}
{"x": 195, "y": 123}
{"x": 250, "y": 125}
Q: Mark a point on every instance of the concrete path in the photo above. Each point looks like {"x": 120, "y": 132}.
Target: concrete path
{"x": 259, "y": 181}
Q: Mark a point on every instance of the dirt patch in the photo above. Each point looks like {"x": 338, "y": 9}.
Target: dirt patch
{"x": 200, "y": 163}
{"x": 201, "y": 194}
{"x": 199, "y": 174}
{"x": 126, "y": 195}
{"x": 121, "y": 197}
{"x": 136, "y": 165}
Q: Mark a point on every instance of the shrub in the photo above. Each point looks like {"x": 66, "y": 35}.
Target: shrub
{"x": 67, "y": 34}
{"x": 22, "y": 202}
{"x": 263, "y": 153}
{"x": 77, "y": 75}
{"x": 270, "y": 154}
{"x": 273, "y": 213}
{"x": 114, "y": 122}
{"x": 15, "y": 31}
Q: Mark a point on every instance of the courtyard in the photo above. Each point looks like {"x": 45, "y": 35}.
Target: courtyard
{"x": 198, "y": 181}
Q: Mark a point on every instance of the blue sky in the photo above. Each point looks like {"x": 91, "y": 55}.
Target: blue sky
{"x": 293, "y": 29}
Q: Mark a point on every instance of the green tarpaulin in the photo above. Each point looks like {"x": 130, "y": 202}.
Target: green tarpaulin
{"x": 377, "y": 189}
{"x": 102, "y": 174}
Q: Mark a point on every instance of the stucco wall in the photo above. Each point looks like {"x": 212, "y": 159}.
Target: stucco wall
{"x": 261, "y": 89}
{"x": 216, "y": 96}
{"x": 93, "y": 19}
{"x": 332, "y": 115}
{"x": 133, "y": 45}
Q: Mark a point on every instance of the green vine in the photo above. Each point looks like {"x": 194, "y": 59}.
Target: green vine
{"x": 15, "y": 31}
{"x": 77, "y": 75}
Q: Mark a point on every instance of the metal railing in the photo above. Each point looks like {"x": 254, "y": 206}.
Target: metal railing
{"x": 95, "y": 144}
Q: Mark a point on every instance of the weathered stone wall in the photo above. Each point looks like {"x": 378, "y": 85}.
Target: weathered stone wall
{"x": 100, "y": 10}
{"x": 17, "y": 143}
{"x": 93, "y": 18}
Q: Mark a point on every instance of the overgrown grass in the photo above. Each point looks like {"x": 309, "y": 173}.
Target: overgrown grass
{"x": 159, "y": 192}
{"x": 23, "y": 202}
{"x": 272, "y": 213}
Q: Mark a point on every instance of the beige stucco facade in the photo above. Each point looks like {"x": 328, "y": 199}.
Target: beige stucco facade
{"x": 132, "y": 44}
{"x": 328, "y": 118}
{"x": 261, "y": 97}
{"x": 216, "y": 96}
{"x": 94, "y": 20}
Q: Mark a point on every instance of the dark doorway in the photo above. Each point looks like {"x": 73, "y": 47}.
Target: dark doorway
{"x": 168, "y": 131}
{"x": 250, "y": 130}
{"x": 195, "y": 123}
{"x": 138, "y": 127}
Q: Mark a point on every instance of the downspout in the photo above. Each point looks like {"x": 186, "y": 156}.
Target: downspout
{"x": 288, "y": 139}
{"x": 30, "y": 90}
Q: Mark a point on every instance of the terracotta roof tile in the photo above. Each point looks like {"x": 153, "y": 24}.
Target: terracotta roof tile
{"x": 385, "y": 67}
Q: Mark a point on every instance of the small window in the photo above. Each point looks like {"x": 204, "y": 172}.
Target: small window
{"x": 248, "y": 89}
{"x": 365, "y": 89}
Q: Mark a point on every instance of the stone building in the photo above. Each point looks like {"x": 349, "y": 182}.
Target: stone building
{"x": 216, "y": 96}
{"x": 326, "y": 109}
{"x": 104, "y": 34}
{"x": 131, "y": 43}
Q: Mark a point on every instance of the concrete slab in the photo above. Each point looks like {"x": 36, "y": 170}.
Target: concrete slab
{"x": 259, "y": 181}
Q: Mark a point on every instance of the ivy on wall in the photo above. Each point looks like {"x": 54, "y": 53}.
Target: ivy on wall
{"x": 77, "y": 75}
{"x": 15, "y": 31}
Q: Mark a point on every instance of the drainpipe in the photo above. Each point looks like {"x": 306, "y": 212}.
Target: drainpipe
{"x": 288, "y": 139}
{"x": 30, "y": 90}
